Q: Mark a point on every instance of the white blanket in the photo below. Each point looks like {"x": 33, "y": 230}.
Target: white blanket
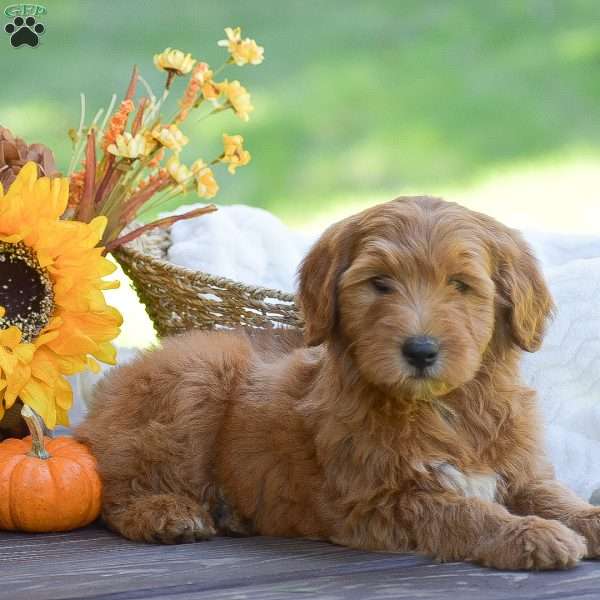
{"x": 566, "y": 371}
{"x": 253, "y": 246}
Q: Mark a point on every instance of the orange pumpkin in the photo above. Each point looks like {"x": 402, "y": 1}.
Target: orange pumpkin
{"x": 47, "y": 484}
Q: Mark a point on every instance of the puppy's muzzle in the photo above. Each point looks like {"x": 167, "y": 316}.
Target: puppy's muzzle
{"x": 421, "y": 351}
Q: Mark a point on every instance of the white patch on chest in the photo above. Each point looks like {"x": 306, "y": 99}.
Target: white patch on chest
{"x": 470, "y": 485}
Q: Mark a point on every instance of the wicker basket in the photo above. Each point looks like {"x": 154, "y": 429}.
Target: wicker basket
{"x": 178, "y": 299}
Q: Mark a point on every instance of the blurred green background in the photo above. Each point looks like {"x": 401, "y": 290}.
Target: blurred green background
{"x": 494, "y": 104}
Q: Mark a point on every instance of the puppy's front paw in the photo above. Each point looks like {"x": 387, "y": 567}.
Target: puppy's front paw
{"x": 163, "y": 519}
{"x": 587, "y": 523}
{"x": 532, "y": 543}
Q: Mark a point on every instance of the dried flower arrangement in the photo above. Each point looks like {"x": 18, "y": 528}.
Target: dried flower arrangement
{"x": 139, "y": 168}
{"x": 55, "y": 231}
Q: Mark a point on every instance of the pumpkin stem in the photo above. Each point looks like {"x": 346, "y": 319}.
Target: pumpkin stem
{"x": 34, "y": 423}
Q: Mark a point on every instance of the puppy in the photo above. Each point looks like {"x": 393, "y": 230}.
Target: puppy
{"x": 400, "y": 424}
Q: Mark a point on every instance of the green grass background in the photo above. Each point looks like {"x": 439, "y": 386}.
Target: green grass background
{"x": 355, "y": 101}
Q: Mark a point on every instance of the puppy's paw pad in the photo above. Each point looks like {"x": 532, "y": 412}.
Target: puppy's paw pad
{"x": 181, "y": 529}
{"x": 587, "y": 524}
{"x": 164, "y": 519}
{"x": 536, "y": 544}
{"x": 540, "y": 544}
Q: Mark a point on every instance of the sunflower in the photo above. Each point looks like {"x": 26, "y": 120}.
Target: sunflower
{"x": 54, "y": 320}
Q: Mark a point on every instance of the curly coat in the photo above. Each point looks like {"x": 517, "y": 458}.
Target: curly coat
{"x": 340, "y": 438}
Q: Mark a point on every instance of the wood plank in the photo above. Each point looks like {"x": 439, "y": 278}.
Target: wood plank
{"x": 87, "y": 563}
{"x": 95, "y": 564}
{"x": 441, "y": 582}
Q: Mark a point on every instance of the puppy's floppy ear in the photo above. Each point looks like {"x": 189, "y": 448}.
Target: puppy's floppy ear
{"x": 521, "y": 288}
{"x": 319, "y": 275}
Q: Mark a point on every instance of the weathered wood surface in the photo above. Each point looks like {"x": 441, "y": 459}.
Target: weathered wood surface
{"x": 95, "y": 564}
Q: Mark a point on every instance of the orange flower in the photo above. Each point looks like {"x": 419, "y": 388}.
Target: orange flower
{"x": 152, "y": 179}
{"x": 117, "y": 123}
{"x": 201, "y": 74}
{"x": 76, "y": 188}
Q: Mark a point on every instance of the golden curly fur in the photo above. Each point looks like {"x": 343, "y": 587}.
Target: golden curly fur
{"x": 342, "y": 438}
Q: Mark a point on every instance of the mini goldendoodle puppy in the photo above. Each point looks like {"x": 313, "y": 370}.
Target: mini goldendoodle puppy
{"x": 399, "y": 424}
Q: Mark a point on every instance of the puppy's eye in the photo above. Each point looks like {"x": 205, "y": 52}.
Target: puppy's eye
{"x": 461, "y": 286}
{"x": 382, "y": 285}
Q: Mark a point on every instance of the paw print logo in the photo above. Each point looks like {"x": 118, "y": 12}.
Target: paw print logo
{"x": 24, "y": 31}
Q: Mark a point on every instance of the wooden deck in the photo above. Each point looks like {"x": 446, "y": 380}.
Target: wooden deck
{"x": 93, "y": 563}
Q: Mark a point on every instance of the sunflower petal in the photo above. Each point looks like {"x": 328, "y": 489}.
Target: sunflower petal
{"x": 11, "y": 239}
{"x": 64, "y": 394}
{"x": 62, "y": 417}
{"x": 40, "y": 398}
{"x": 106, "y": 353}
{"x": 24, "y": 180}
{"x": 11, "y": 336}
{"x": 15, "y": 384}
{"x": 24, "y": 352}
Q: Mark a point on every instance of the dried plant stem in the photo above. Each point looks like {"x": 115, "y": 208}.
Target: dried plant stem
{"x": 139, "y": 117}
{"x": 217, "y": 71}
{"x": 157, "y": 106}
{"x": 109, "y": 110}
{"x": 82, "y": 143}
{"x": 82, "y": 115}
{"x": 131, "y": 88}
{"x": 133, "y": 174}
{"x": 170, "y": 78}
{"x": 165, "y": 222}
{"x": 155, "y": 202}
{"x": 138, "y": 199}
{"x": 152, "y": 97}
{"x": 214, "y": 111}
{"x": 78, "y": 142}
{"x": 86, "y": 211}
{"x": 111, "y": 176}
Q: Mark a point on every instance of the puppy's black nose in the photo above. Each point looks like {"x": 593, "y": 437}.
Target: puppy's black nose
{"x": 421, "y": 351}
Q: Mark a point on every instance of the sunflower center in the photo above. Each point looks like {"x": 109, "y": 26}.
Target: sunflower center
{"x": 26, "y": 292}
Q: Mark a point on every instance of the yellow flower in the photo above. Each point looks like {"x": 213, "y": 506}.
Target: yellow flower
{"x": 131, "y": 146}
{"x": 174, "y": 61}
{"x": 55, "y": 321}
{"x": 204, "y": 76}
{"x": 238, "y": 98}
{"x": 207, "y": 186}
{"x": 178, "y": 171}
{"x": 210, "y": 90}
{"x": 243, "y": 52}
{"x": 234, "y": 36}
{"x": 170, "y": 137}
{"x": 202, "y": 73}
{"x": 234, "y": 154}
